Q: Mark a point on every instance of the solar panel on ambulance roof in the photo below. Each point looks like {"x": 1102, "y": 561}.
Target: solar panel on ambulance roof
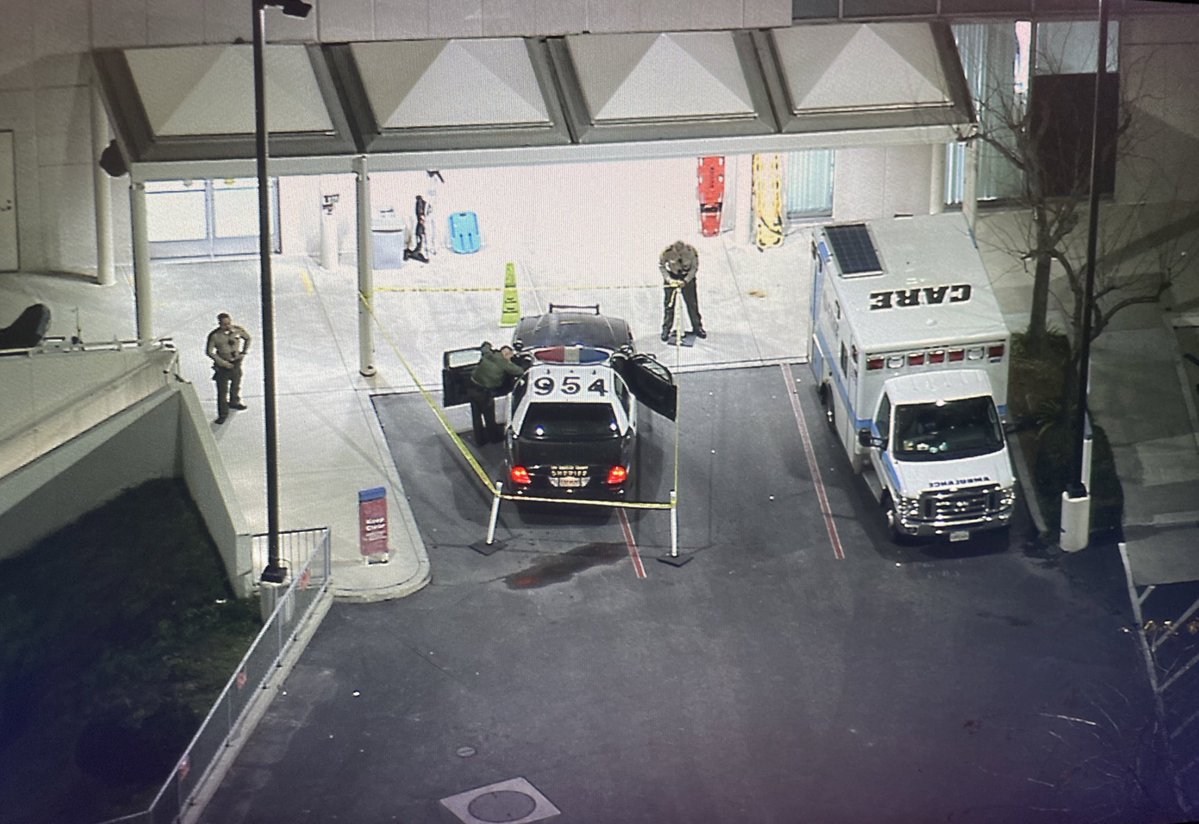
{"x": 854, "y": 249}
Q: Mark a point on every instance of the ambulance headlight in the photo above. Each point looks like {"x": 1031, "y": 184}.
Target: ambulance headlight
{"x": 907, "y": 507}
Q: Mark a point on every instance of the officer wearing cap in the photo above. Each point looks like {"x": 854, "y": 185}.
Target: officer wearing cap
{"x": 678, "y": 264}
{"x": 487, "y": 380}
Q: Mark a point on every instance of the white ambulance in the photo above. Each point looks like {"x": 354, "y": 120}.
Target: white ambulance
{"x": 910, "y": 354}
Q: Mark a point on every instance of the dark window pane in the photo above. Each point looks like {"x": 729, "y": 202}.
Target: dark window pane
{"x": 1061, "y": 110}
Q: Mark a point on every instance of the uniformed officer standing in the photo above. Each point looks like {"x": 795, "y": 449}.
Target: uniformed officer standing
{"x": 227, "y": 346}
{"x": 678, "y": 264}
{"x": 487, "y": 380}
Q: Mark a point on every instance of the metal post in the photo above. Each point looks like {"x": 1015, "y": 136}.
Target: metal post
{"x": 274, "y": 572}
{"x": 141, "y": 260}
{"x": 105, "y": 266}
{"x": 674, "y": 524}
{"x": 1078, "y": 490}
{"x": 495, "y": 512}
{"x": 366, "y": 282}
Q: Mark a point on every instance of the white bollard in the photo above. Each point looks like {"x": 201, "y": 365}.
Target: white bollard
{"x": 1076, "y": 521}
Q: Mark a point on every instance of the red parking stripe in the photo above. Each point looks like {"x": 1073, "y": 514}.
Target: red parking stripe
{"x": 638, "y": 567}
{"x": 813, "y": 467}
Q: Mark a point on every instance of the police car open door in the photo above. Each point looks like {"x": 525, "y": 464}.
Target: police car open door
{"x": 649, "y": 381}
{"x": 456, "y": 366}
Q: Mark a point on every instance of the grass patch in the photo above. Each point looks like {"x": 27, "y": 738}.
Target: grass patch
{"x": 116, "y": 635}
{"x": 1035, "y": 400}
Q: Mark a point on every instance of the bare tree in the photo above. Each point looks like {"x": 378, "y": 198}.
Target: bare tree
{"x": 1136, "y": 262}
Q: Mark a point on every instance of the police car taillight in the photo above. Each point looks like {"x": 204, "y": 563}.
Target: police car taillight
{"x": 520, "y": 475}
{"x": 617, "y": 475}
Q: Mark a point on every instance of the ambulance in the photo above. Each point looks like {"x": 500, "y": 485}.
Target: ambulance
{"x": 910, "y": 356}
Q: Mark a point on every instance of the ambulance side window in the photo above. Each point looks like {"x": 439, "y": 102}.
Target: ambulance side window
{"x": 883, "y": 419}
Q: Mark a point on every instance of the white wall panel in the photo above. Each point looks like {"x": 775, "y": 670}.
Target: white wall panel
{"x": 62, "y": 27}
{"x": 906, "y": 180}
{"x": 508, "y": 18}
{"x": 16, "y": 46}
{"x": 345, "y": 20}
{"x": 615, "y": 15}
{"x": 858, "y": 176}
{"x": 174, "y": 22}
{"x": 68, "y": 236}
{"x": 673, "y": 15}
{"x": 767, "y": 13}
{"x": 561, "y": 16}
{"x": 401, "y": 20}
{"x": 63, "y": 126}
{"x": 117, "y": 23}
{"x": 227, "y": 20}
{"x": 456, "y": 18}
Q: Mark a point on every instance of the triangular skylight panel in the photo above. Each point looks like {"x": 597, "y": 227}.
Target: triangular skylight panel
{"x": 679, "y": 76}
{"x": 823, "y": 67}
{"x": 210, "y": 90}
{"x": 458, "y": 83}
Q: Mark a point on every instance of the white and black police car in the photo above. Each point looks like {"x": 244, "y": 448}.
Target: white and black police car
{"x": 572, "y": 417}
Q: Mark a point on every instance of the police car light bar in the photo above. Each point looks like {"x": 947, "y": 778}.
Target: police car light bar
{"x": 571, "y": 354}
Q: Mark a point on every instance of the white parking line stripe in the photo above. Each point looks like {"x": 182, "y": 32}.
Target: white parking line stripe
{"x": 631, "y": 542}
{"x": 813, "y": 467}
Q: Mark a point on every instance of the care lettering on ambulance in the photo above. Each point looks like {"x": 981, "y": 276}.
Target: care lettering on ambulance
{"x": 922, "y": 296}
{"x": 570, "y": 385}
{"x": 977, "y": 479}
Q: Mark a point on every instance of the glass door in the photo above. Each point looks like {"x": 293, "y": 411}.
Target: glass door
{"x": 206, "y": 218}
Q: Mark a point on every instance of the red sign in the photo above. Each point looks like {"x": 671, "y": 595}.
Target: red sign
{"x": 372, "y": 521}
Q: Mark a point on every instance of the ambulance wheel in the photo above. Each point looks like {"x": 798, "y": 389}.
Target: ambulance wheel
{"x": 826, "y": 401}
{"x": 891, "y": 520}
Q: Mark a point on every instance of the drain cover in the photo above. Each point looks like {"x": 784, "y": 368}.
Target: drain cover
{"x": 501, "y": 806}
{"x": 514, "y": 801}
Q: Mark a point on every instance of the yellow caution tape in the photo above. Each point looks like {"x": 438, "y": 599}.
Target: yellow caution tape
{"x": 473, "y": 461}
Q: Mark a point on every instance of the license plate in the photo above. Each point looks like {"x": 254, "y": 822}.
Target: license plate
{"x": 568, "y": 482}
{"x": 959, "y": 535}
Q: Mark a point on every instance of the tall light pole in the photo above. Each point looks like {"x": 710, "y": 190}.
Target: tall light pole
{"x": 1076, "y": 500}
{"x": 274, "y": 572}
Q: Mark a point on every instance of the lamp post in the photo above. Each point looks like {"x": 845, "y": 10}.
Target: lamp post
{"x": 274, "y": 572}
{"x": 1076, "y": 500}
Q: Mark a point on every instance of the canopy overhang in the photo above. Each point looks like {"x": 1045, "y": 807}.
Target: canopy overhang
{"x": 187, "y": 111}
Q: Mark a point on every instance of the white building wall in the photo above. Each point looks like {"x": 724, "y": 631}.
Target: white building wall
{"x": 1159, "y": 76}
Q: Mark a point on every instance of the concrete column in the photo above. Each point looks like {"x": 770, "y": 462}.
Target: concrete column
{"x": 366, "y": 275}
{"x": 936, "y": 194}
{"x": 742, "y": 213}
{"x": 141, "y": 260}
{"x": 105, "y": 275}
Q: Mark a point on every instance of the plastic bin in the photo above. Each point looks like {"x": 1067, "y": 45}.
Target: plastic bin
{"x": 390, "y": 238}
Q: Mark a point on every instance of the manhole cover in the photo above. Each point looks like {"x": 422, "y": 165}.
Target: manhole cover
{"x": 514, "y": 801}
{"x": 501, "y": 805}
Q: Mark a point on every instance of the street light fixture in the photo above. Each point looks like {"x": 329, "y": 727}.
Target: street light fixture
{"x": 274, "y": 572}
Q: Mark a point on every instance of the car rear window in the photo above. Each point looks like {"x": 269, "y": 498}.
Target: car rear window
{"x": 569, "y": 421}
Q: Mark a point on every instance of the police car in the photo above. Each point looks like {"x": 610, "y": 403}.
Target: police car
{"x": 572, "y": 417}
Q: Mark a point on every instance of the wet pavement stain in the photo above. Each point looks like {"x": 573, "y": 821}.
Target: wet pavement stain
{"x": 554, "y": 569}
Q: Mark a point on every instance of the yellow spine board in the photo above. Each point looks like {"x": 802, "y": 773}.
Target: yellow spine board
{"x": 510, "y": 311}
{"x": 768, "y": 200}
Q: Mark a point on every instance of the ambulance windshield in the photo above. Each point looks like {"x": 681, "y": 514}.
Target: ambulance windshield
{"x": 947, "y": 430}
